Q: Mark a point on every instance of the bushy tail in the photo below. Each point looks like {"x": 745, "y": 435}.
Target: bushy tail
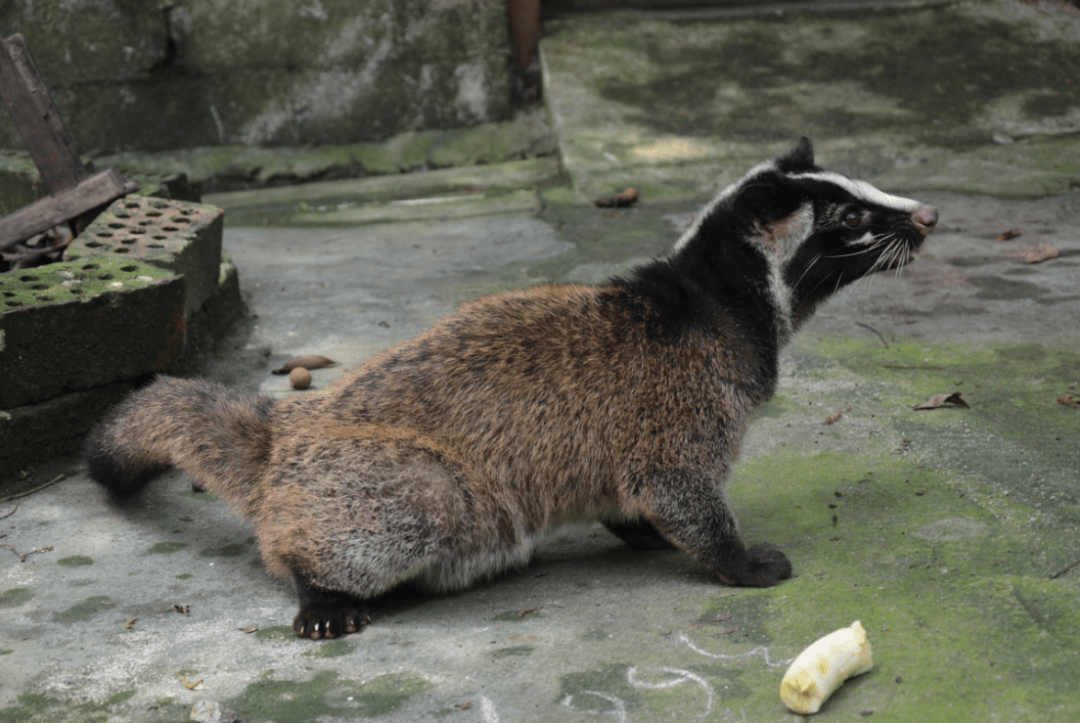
{"x": 218, "y": 436}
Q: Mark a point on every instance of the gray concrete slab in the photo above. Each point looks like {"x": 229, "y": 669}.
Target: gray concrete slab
{"x": 973, "y": 96}
{"x": 943, "y": 531}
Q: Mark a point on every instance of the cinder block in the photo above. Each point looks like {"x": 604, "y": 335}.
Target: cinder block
{"x": 85, "y": 323}
{"x": 36, "y": 433}
{"x": 184, "y": 238}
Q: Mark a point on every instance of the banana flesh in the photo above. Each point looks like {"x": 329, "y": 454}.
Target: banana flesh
{"x": 821, "y": 668}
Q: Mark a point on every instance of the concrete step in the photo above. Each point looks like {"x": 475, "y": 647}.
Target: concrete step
{"x": 976, "y": 97}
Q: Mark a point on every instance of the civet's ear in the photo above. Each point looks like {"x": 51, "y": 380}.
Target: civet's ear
{"x": 800, "y": 158}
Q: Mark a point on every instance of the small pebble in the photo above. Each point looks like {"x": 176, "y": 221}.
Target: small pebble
{"x": 300, "y": 378}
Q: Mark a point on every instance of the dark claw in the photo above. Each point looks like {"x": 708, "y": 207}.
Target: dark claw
{"x": 326, "y": 613}
{"x": 329, "y": 622}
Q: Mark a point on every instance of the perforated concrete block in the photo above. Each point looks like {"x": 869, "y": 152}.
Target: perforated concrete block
{"x": 181, "y": 237}
{"x": 85, "y": 323}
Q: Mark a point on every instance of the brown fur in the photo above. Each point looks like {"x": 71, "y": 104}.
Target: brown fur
{"x": 573, "y": 433}
{"x": 446, "y": 459}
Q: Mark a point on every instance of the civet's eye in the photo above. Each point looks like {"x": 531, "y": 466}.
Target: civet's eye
{"x": 853, "y": 219}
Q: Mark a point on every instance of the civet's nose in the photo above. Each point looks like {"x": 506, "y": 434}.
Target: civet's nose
{"x": 925, "y": 219}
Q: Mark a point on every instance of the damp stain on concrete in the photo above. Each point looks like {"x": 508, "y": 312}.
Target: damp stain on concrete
{"x": 329, "y": 649}
{"x": 120, "y": 697}
{"x": 518, "y": 616}
{"x": 512, "y": 651}
{"x": 75, "y": 561}
{"x": 234, "y": 550}
{"x": 996, "y": 288}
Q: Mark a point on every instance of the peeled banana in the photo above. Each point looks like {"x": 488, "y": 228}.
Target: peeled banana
{"x": 821, "y": 668}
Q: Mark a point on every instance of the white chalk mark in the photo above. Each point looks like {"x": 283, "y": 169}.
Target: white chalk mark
{"x": 720, "y": 656}
{"x": 487, "y": 709}
{"x": 684, "y": 676}
{"x": 620, "y": 707}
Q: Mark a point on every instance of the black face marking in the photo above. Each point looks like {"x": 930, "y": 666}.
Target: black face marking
{"x": 855, "y": 230}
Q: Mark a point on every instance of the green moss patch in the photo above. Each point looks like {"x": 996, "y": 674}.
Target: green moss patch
{"x": 326, "y": 695}
{"x": 83, "y": 611}
{"x": 167, "y": 548}
{"x": 276, "y": 634}
{"x": 938, "y": 529}
{"x": 14, "y": 597}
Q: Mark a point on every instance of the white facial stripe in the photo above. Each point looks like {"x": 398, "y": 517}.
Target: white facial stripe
{"x": 720, "y": 198}
{"x": 863, "y": 190}
{"x": 866, "y": 239}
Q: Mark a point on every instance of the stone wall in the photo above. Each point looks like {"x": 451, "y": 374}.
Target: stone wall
{"x": 159, "y": 75}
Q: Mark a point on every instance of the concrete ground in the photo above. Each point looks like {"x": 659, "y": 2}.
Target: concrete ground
{"x": 949, "y": 532}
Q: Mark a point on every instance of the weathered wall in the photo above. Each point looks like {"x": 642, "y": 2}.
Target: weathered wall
{"x": 159, "y": 74}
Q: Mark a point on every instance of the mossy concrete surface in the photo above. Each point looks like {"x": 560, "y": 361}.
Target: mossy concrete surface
{"x": 950, "y": 533}
{"x": 154, "y": 76}
{"x": 975, "y": 96}
{"x": 938, "y": 529}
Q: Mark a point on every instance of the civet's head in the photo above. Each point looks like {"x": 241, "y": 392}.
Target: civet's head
{"x": 806, "y": 230}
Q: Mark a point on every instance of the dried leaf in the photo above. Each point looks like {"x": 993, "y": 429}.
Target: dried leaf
{"x": 249, "y": 629}
{"x": 1042, "y": 252}
{"x": 1069, "y": 400}
{"x": 129, "y": 623}
{"x": 189, "y": 684}
{"x": 464, "y": 706}
{"x": 1009, "y": 235}
{"x": 627, "y": 198}
{"x": 939, "y": 400}
{"x": 310, "y": 361}
{"x": 833, "y": 417}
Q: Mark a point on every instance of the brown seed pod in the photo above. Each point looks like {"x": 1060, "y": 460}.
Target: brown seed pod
{"x": 309, "y": 361}
{"x": 300, "y": 378}
{"x": 627, "y": 198}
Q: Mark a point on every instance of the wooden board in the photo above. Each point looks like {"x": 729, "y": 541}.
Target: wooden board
{"x": 40, "y": 216}
{"x": 36, "y": 118}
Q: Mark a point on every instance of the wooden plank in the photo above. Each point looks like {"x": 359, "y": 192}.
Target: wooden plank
{"x": 36, "y": 118}
{"x": 42, "y": 215}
